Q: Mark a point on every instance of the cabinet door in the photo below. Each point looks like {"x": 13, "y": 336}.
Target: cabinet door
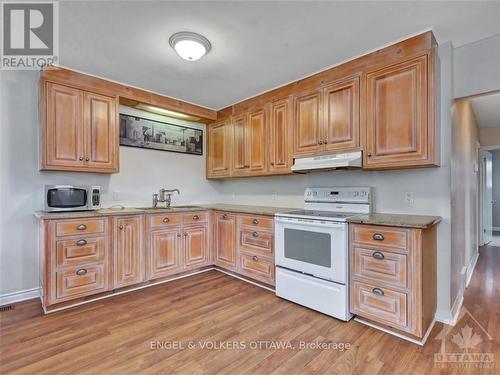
{"x": 280, "y": 135}
{"x": 240, "y": 145}
{"x": 225, "y": 241}
{"x": 101, "y": 140}
{"x": 257, "y": 140}
{"x": 341, "y": 111}
{"x": 396, "y": 115}
{"x": 218, "y": 149}
{"x": 62, "y": 144}
{"x": 308, "y": 122}
{"x": 128, "y": 249}
{"x": 196, "y": 246}
{"x": 164, "y": 252}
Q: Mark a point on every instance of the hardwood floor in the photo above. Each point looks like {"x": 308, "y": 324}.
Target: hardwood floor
{"x": 131, "y": 333}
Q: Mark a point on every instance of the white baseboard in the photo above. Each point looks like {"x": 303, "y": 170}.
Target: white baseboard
{"x": 22, "y": 295}
{"x": 470, "y": 269}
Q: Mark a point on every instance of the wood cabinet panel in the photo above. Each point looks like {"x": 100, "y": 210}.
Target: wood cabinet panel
{"x": 382, "y": 237}
{"x": 79, "y": 281}
{"x": 160, "y": 220}
{"x": 308, "y": 122}
{"x": 257, "y": 267}
{"x": 128, "y": 250}
{"x": 256, "y": 242}
{"x": 259, "y": 222}
{"x": 196, "y": 246}
{"x": 241, "y": 136}
{"x": 341, "y": 111}
{"x": 384, "y": 267}
{"x": 257, "y": 141}
{"x": 396, "y": 114}
{"x": 219, "y": 141}
{"x": 195, "y": 218}
{"x": 225, "y": 240}
{"x": 164, "y": 252}
{"x": 80, "y": 251}
{"x": 280, "y": 136}
{"x": 101, "y": 141}
{"x": 63, "y": 132}
{"x": 82, "y": 226}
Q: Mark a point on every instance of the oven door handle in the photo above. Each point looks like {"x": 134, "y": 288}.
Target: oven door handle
{"x": 310, "y": 223}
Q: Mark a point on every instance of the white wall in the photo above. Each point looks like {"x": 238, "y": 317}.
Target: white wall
{"x": 496, "y": 187}
{"x": 430, "y": 186}
{"x": 142, "y": 172}
{"x": 477, "y": 67}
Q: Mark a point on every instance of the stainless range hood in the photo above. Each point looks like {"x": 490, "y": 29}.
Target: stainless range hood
{"x": 344, "y": 160}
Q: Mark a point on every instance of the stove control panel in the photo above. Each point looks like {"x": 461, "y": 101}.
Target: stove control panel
{"x": 338, "y": 194}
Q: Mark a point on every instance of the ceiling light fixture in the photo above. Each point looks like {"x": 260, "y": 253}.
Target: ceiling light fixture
{"x": 190, "y": 46}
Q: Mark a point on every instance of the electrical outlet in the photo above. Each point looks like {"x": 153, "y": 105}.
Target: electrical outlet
{"x": 410, "y": 197}
{"x": 116, "y": 195}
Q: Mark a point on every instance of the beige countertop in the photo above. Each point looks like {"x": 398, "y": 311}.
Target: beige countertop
{"x": 396, "y": 220}
{"x": 245, "y": 209}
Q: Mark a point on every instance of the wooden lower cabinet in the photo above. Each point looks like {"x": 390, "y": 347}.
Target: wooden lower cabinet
{"x": 225, "y": 241}
{"x": 164, "y": 252}
{"x": 393, "y": 277}
{"x": 128, "y": 250}
{"x": 196, "y": 250}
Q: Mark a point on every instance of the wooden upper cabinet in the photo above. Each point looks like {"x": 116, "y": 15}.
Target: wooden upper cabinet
{"x": 225, "y": 240}
{"x": 240, "y": 145}
{"x": 196, "y": 251}
{"x": 218, "y": 158}
{"x": 102, "y": 143}
{"x": 62, "y": 136}
{"x": 397, "y": 119}
{"x": 164, "y": 252}
{"x": 341, "y": 111}
{"x": 128, "y": 250}
{"x": 308, "y": 122}
{"x": 280, "y": 136}
{"x": 257, "y": 126}
{"x": 79, "y": 130}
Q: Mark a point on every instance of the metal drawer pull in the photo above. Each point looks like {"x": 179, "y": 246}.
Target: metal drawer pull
{"x": 166, "y": 220}
{"x": 378, "y": 255}
{"x": 255, "y": 221}
{"x": 81, "y": 242}
{"x": 178, "y": 234}
{"x": 378, "y": 237}
{"x": 255, "y": 258}
{"x": 196, "y": 217}
{"x": 224, "y": 216}
{"x": 81, "y": 227}
{"x": 120, "y": 227}
{"x": 81, "y": 272}
{"x": 255, "y": 234}
{"x": 378, "y": 291}
{"x": 185, "y": 234}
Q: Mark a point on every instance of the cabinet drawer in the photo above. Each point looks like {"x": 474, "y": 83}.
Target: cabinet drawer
{"x": 377, "y": 236}
{"x": 81, "y": 281}
{"x": 256, "y": 242}
{"x": 383, "y": 266}
{"x": 80, "y": 226}
{"x": 379, "y": 304}
{"x": 257, "y": 221}
{"x": 80, "y": 251}
{"x": 195, "y": 217}
{"x": 165, "y": 219}
{"x": 257, "y": 266}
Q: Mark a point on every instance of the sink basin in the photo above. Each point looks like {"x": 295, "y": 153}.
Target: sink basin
{"x": 171, "y": 208}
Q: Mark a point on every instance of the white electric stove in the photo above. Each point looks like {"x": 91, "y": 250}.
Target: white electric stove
{"x": 312, "y": 248}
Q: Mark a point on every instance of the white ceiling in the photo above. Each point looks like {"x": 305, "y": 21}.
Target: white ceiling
{"x": 256, "y": 45}
{"x": 487, "y": 110}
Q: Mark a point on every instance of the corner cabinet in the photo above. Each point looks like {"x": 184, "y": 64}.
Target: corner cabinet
{"x": 219, "y": 149}
{"x": 400, "y": 123}
{"x": 79, "y": 130}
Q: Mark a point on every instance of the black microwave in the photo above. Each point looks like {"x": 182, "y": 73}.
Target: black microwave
{"x": 72, "y": 198}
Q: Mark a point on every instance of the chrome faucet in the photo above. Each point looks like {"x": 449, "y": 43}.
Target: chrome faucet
{"x": 164, "y": 196}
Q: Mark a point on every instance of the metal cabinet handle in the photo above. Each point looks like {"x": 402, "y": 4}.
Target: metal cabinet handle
{"x": 272, "y": 164}
{"x": 120, "y": 227}
{"x": 81, "y": 272}
{"x": 81, "y": 227}
{"x": 247, "y": 166}
{"x": 255, "y": 234}
{"x": 255, "y": 221}
{"x": 224, "y": 216}
{"x": 185, "y": 234}
{"x": 80, "y": 158}
{"x": 255, "y": 258}
{"x": 369, "y": 154}
{"x": 196, "y": 217}
{"x": 320, "y": 142}
{"x": 378, "y": 255}
{"x": 378, "y": 237}
{"x": 81, "y": 242}
{"x": 378, "y": 291}
{"x": 166, "y": 219}
{"x": 178, "y": 235}
{"x": 326, "y": 141}
{"x": 87, "y": 158}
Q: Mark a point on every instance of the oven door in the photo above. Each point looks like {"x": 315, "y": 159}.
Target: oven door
{"x": 66, "y": 198}
{"x": 312, "y": 247}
